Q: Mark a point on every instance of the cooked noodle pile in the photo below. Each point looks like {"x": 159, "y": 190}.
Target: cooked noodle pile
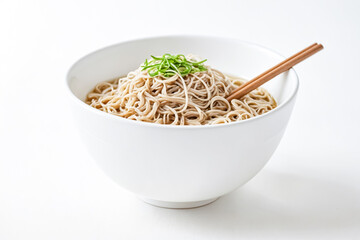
{"x": 195, "y": 99}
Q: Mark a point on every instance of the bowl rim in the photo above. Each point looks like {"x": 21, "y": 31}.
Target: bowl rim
{"x": 157, "y": 125}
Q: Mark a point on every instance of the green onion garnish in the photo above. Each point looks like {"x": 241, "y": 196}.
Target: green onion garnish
{"x": 168, "y": 65}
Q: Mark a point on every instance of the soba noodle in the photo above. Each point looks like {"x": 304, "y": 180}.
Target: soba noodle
{"x": 195, "y": 99}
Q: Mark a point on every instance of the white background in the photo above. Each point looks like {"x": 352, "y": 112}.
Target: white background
{"x": 51, "y": 189}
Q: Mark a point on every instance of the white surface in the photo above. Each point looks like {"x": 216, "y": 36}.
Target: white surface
{"x": 51, "y": 189}
{"x": 180, "y": 165}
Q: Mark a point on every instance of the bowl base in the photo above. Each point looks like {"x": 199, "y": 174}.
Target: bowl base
{"x": 165, "y": 204}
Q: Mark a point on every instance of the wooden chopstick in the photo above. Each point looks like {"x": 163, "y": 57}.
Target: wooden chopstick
{"x": 274, "y": 71}
{"x": 278, "y": 65}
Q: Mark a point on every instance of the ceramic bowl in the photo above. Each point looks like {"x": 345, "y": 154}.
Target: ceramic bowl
{"x": 180, "y": 166}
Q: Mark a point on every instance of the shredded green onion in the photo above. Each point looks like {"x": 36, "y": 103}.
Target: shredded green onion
{"x": 168, "y": 65}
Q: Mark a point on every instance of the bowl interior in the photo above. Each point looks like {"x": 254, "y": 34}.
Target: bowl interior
{"x": 230, "y": 56}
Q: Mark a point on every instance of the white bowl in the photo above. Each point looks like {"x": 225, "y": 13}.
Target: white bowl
{"x": 180, "y": 166}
